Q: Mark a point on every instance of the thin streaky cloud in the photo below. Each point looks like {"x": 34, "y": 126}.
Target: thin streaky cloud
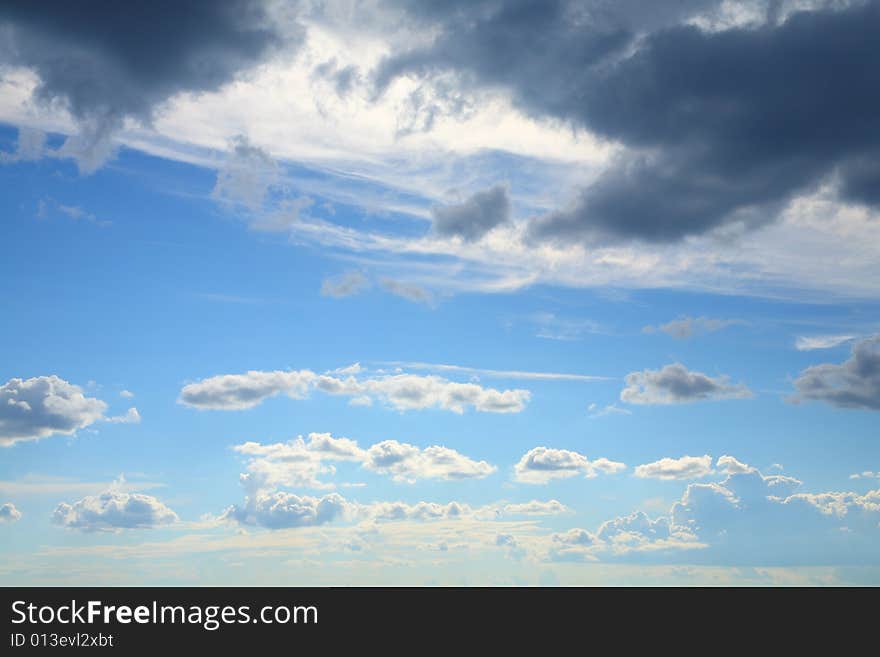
{"x": 498, "y": 374}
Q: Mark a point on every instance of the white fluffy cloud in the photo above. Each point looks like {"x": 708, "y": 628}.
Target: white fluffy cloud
{"x": 241, "y": 391}
{"x": 112, "y": 511}
{"x": 686, "y": 467}
{"x": 300, "y": 463}
{"x": 748, "y": 517}
{"x": 635, "y": 533}
{"x": 408, "y": 463}
{"x": 41, "y": 406}
{"x": 281, "y": 510}
{"x": 675, "y": 384}
{"x": 400, "y": 391}
{"x": 865, "y": 474}
{"x": 410, "y": 392}
{"x": 8, "y": 513}
{"x": 543, "y": 464}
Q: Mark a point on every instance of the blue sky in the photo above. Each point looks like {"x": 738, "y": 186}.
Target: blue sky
{"x": 396, "y": 335}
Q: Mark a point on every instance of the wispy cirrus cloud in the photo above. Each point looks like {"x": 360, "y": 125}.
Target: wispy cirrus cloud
{"x": 688, "y": 327}
{"x": 813, "y": 342}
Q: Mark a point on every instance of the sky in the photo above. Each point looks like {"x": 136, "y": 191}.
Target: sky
{"x": 470, "y": 293}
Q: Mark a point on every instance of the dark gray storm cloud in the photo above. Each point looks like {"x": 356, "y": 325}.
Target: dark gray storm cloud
{"x": 475, "y": 216}
{"x": 855, "y": 383}
{"x": 107, "y": 60}
{"x": 720, "y": 127}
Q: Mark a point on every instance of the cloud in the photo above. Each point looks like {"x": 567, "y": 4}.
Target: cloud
{"x": 114, "y": 510}
{"x": 675, "y": 384}
{"x": 813, "y": 342}
{"x": 280, "y": 510}
{"x": 30, "y": 146}
{"x": 400, "y": 391}
{"x": 687, "y": 327}
{"x": 408, "y": 291}
{"x": 410, "y": 392}
{"x": 107, "y": 68}
{"x": 126, "y": 393}
{"x": 418, "y": 511}
{"x": 746, "y": 519}
{"x": 345, "y": 285}
{"x": 132, "y": 416}
{"x": 9, "y": 514}
{"x": 667, "y": 469}
{"x": 408, "y": 463}
{"x": 541, "y": 465}
{"x": 535, "y": 508}
{"x": 855, "y": 383}
{"x": 474, "y": 217}
{"x": 247, "y": 177}
{"x": 867, "y": 474}
{"x": 41, "y": 485}
{"x": 700, "y": 109}
{"x": 300, "y": 463}
{"x": 499, "y": 374}
{"x": 610, "y": 409}
{"x": 625, "y": 535}
{"x": 34, "y": 408}
{"x": 242, "y": 391}
{"x": 730, "y": 465}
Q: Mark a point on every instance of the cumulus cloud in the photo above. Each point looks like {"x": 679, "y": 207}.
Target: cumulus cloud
{"x": 731, "y": 465}
{"x": 855, "y": 383}
{"x": 34, "y": 408}
{"x": 280, "y": 510}
{"x": 300, "y": 463}
{"x": 408, "y": 463}
{"x": 417, "y": 511}
{"x": 8, "y": 513}
{"x": 865, "y": 474}
{"x": 400, "y": 391}
{"x": 687, "y": 327}
{"x": 747, "y": 518}
{"x": 112, "y": 511}
{"x": 410, "y": 392}
{"x": 241, "y": 391}
{"x": 675, "y": 384}
{"x": 635, "y": 533}
{"x": 345, "y": 285}
{"x": 541, "y": 465}
{"x": 106, "y": 69}
{"x": 686, "y": 467}
{"x": 474, "y": 217}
